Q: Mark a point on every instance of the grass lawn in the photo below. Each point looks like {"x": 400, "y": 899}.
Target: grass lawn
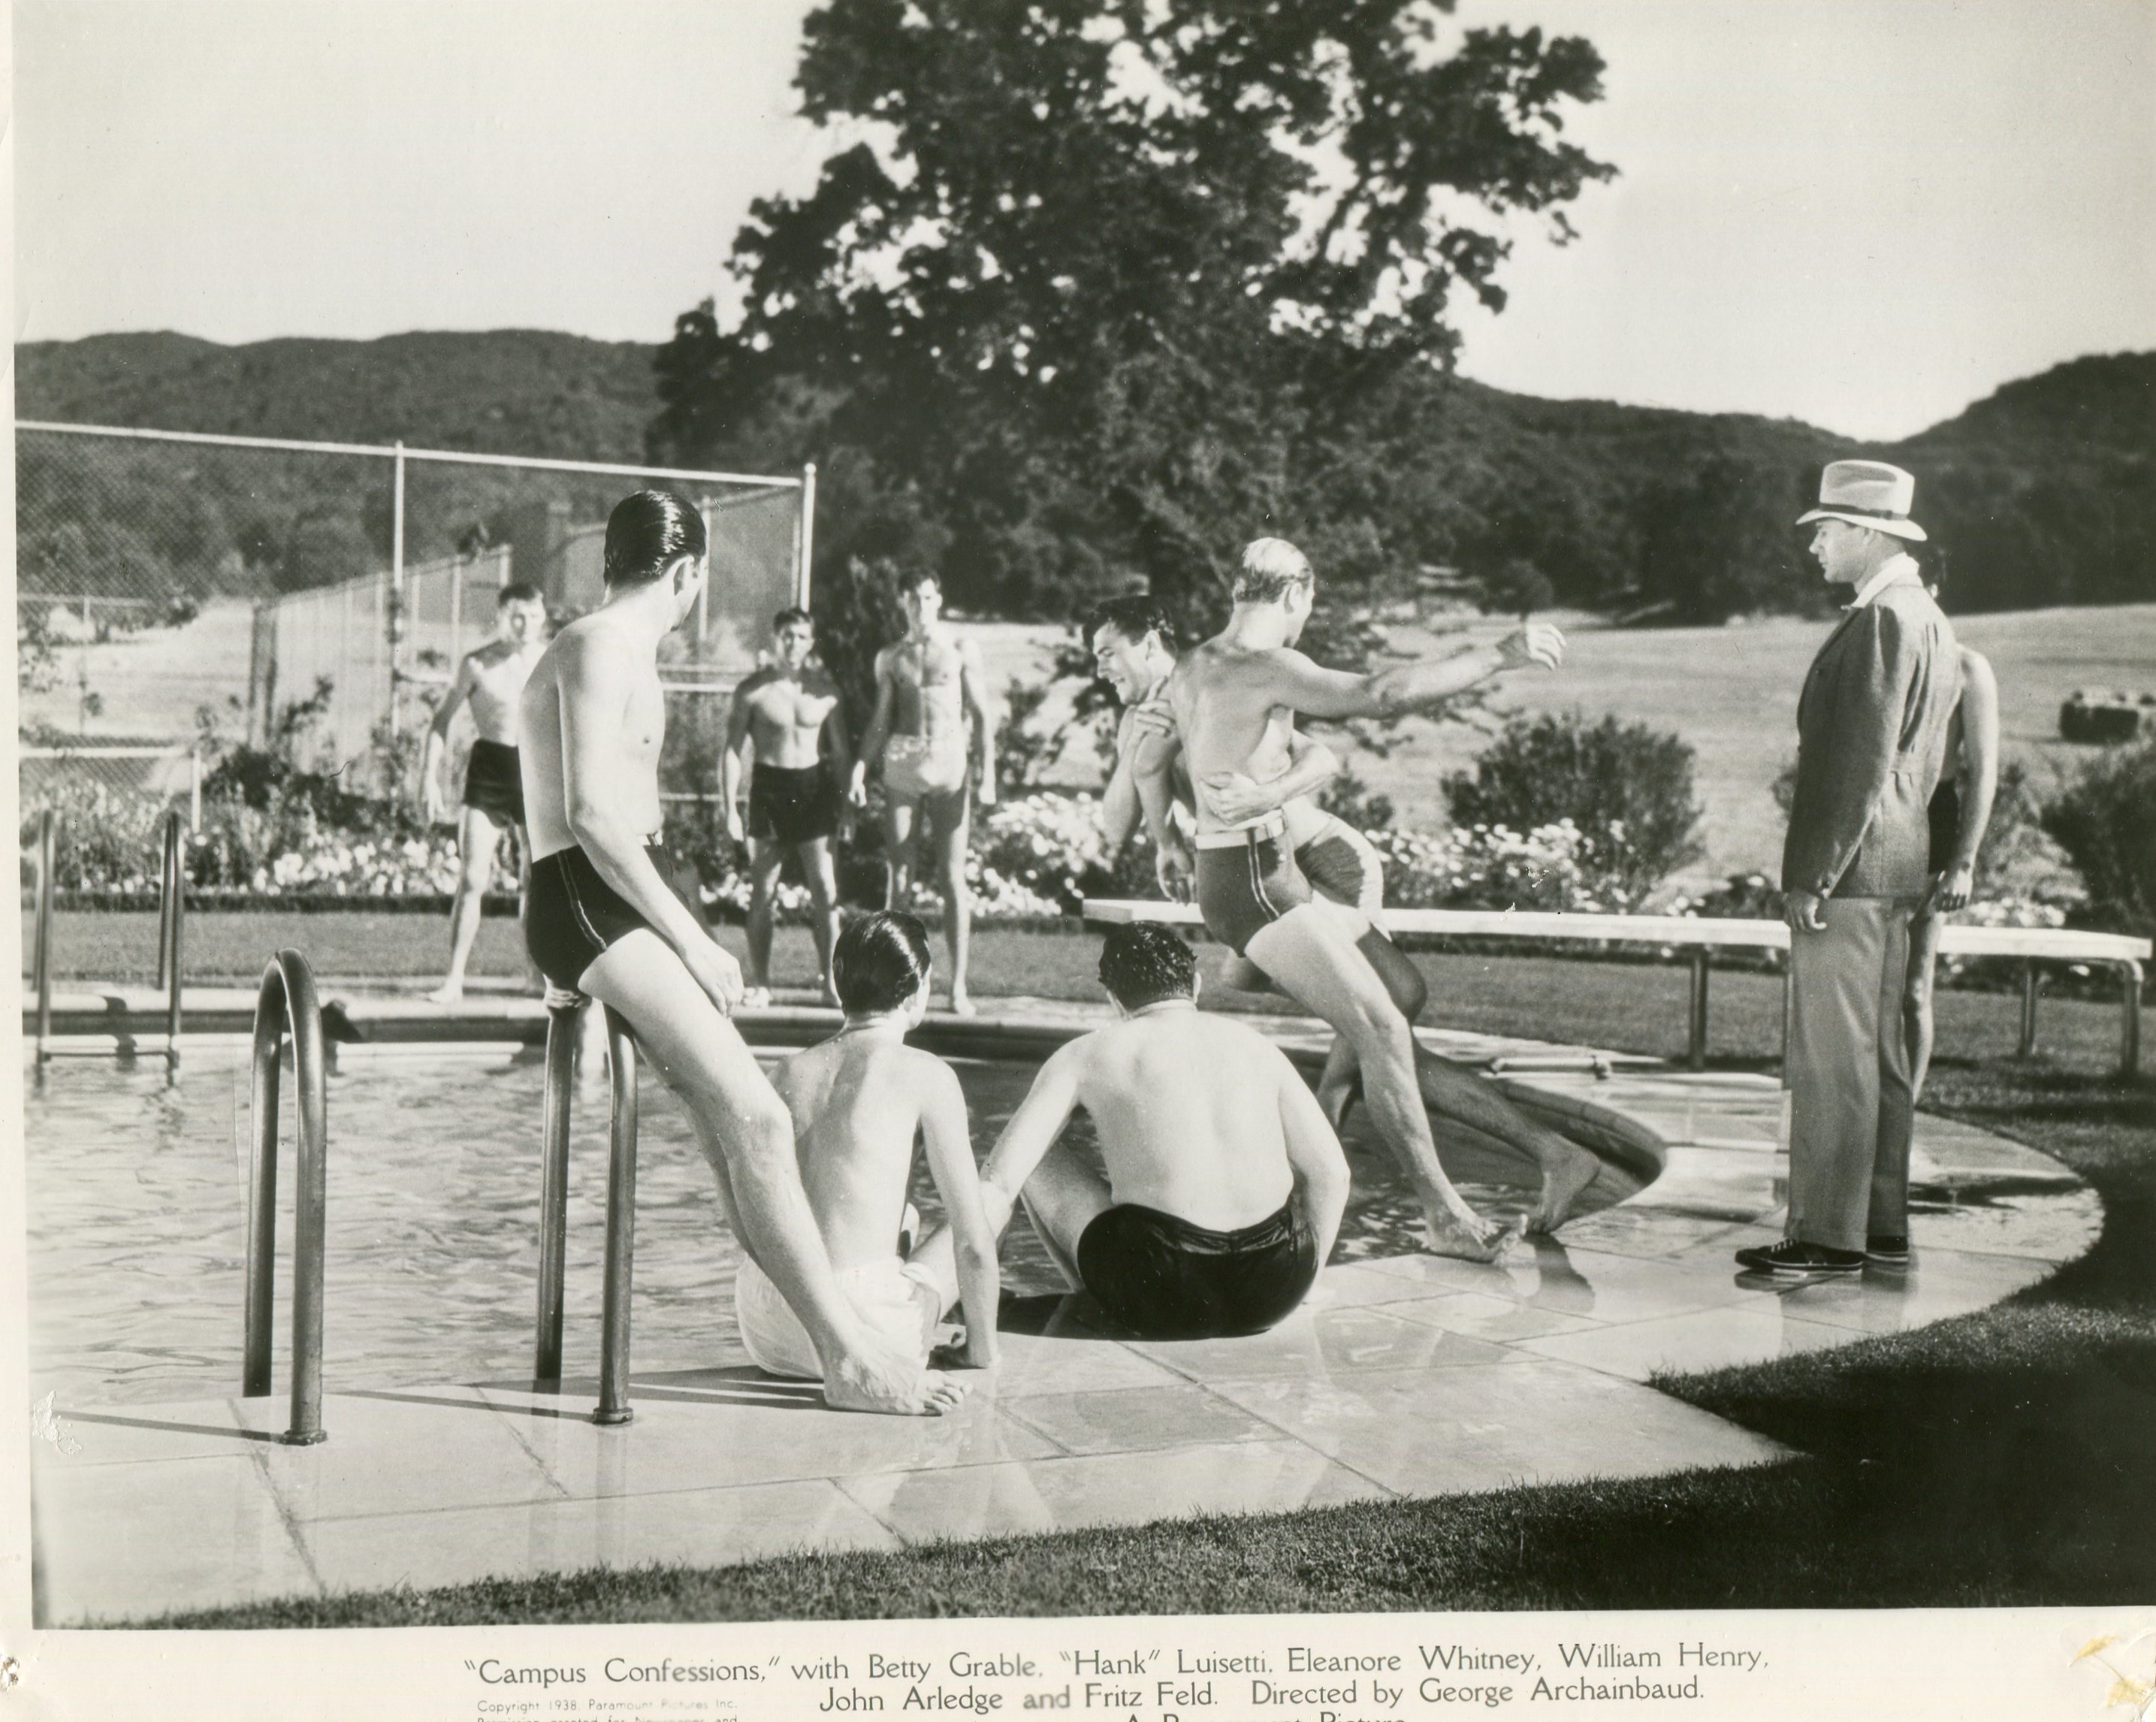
{"x": 2004, "y": 1458}
{"x": 1630, "y": 1007}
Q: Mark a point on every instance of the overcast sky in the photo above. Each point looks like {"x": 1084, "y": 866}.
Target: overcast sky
{"x": 1863, "y": 214}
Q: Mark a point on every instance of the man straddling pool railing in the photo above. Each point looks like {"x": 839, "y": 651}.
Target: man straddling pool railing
{"x": 1233, "y": 702}
{"x": 1225, "y": 1184}
{"x": 603, "y": 919}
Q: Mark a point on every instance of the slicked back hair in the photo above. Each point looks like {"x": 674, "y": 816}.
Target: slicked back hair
{"x": 1270, "y": 567}
{"x": 647, "y": 531}
{"x": 519, "y": 592}
{"x": 792, "y": 616}
{"x": 880, "y": 960}
{"x": 1133, "y": 617}
{"x": 1144, "y": 963}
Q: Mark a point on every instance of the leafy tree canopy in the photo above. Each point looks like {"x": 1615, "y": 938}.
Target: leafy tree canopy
{"x": 1090, "y": 290}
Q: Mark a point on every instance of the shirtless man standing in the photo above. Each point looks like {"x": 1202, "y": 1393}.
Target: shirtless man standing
{"x": 929, "y": 698}
{"x": 492, "y": 678}
{"x": 1133, "y": 647}
{"x": 1225, "y": 1184}
{"x": 785, "y": 710}
{"x": 1234, "y": 701}
{"x": 603, "y": 920}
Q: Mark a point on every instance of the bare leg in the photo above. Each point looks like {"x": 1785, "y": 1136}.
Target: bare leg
{"x": 1062, "y": 1198}
{"x": 1459, "y": 1095}
{"x": 765, "y": 858}
{"x": 898, "y": 822}
{"x": 476, "y": 840}
{"x": 1916, "y": 1018}
{"x": 1338, "y": 1086}
{"x": 533, "y": 979}
{"x": 950, "y": 831}
{"x": 747, "y": 1136}
{"x": 1311, "y": 951}
{"x": 822, "y": 874}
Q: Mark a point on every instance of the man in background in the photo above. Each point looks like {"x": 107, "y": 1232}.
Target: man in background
{"x": 931, "y": 702}
{"x": 490, "y": 679}
{"x": 1871, "y": 735}
{"x": 786, "y": 712}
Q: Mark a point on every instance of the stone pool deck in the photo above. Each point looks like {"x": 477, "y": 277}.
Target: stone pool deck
{"x": 1402, "y": 1376}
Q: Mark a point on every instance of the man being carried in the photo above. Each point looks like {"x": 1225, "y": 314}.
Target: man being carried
{"x": 785, "y": 710}
{"x": 492, "y": 678}
{"x": 603, "y": 921}
{"x": 929, "y": 698}
{"x": 1225, "y": 1184}
{"x": 1234, "y": 701}
{"x": 1133, "y": 649}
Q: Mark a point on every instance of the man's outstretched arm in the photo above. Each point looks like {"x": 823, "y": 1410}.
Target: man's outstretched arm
{"x": 1030, "y": 1133}
{"x": 1310, "y": 688}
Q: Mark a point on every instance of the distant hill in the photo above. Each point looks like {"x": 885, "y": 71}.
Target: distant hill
{"x": 2042, "y": 493}
{"x": 507, "y": 391}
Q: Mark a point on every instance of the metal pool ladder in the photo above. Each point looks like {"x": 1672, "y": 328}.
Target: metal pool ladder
{"x": 287, "y": 1005}
{"x": 564, "y": 1009}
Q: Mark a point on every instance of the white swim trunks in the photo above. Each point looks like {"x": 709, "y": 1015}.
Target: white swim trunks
{"x": 886, "y": 1293}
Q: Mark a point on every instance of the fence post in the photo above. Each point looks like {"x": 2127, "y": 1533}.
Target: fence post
{"x": 564, "y": 1011}
{"x": 171, "y": 908}
{"x": 194, "y": 791}
{"x": 396, "y": 579}
{"x": 613, "y": 1406}
{"x": 806, "y": 537}
{"x": 42, "y": 961}
{"x": 2129, "y": 1026}
{"x": 288, "y": 1003}
{"x": 2027, "y": 1047}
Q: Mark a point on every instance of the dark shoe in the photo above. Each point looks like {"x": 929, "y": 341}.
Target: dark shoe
{"x": 1792, "y": 1255}
{"x": 1885, "y": 1250}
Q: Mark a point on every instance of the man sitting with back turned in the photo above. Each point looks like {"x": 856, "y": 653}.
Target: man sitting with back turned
{"x": 1225, "y": 1183}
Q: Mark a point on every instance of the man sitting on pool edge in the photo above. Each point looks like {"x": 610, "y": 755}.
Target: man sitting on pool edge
{"x": 1226, "y": 1184}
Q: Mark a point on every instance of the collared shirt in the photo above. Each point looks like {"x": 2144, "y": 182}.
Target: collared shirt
{"x": 1896, "y": 567}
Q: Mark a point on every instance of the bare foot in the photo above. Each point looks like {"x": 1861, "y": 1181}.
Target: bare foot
{"x": 449, "y": 992}
{"x": 874, "y": 1382}
{"x": 1464, "y": 1234}
{"x": 1562, "y": 1185}
{"x": 756, "y": 998}
{"x": 961, "y": 1002}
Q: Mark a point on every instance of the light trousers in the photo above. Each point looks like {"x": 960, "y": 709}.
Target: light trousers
{"x": 1851, "y": 1112}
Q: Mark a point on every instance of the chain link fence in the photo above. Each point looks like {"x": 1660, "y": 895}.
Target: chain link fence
{"x": 176, "y": 585}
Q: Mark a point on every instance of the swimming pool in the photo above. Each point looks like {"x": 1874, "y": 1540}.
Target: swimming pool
{"x": 138, "y": 1203}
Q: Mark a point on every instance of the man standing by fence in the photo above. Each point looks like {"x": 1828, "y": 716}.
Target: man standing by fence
{"x": 1871, "y": 735}
{"x": 785, "y": 711}
{"x": 492, "y": 680}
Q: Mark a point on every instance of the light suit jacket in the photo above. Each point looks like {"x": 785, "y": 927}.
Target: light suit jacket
{"x": 1872, "y": 734}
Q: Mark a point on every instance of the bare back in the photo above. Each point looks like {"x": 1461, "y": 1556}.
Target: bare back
{"x": 607, "y": 668}
{"x": 1188, "y": 1110}
{"x": 857, "y": 1102}
{"x": 1228, "y": 714}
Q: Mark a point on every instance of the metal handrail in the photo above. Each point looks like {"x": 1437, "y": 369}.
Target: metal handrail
{"x": 288, "y": 1004}
{"x": 41, "y": 961}
{"x": 172, "y": 913}
{"x": 564, "y": 1011}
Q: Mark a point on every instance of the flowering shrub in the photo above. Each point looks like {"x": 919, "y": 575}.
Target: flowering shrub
{"x": 1494, "y": 867}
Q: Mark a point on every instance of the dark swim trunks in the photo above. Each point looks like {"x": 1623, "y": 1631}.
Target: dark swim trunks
{"x": 793, "y": 804}
{"x": 493, "y": 783}
{"x": 1946, "y": 824}
{"x": 1246, "y": 880}
{"x": 1164, "y": 1278}
{"x": 572, "y": 914}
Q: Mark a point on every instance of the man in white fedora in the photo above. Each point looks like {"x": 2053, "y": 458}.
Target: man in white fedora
{"x": 1871, "y": 733}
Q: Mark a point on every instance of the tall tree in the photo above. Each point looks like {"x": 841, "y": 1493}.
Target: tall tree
{"x": 1086, "y": 274}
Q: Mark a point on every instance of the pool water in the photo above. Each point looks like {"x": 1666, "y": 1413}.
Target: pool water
{"x": 138, "y": 1197}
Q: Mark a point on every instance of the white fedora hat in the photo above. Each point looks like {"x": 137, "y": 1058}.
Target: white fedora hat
{"x": 1868, "y": 493}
